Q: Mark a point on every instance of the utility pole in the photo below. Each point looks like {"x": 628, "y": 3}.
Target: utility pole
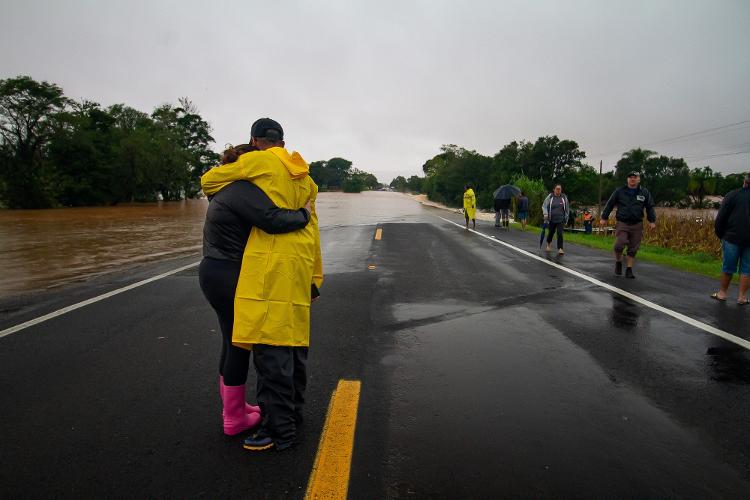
{"x": 600, "y": 189}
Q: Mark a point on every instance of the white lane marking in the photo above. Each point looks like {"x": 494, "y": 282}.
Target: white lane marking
{"x": 635, "y": 298}
{"x": 64, "y": 310}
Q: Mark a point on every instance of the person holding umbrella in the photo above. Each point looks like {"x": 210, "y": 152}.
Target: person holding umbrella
{"x": 502, "y": 196}
{"x": 556, "y": 210}
{"x": 470, "y": 207}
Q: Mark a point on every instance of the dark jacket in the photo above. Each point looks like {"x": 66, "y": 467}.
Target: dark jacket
{"x": 630, "y": 206}
{"x": 733, "y": 220}
{"x": 235, "y": 210}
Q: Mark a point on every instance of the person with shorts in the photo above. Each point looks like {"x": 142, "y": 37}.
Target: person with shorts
{"x": 522, "y": 209}
{"x": 732, "y": 226}
{"x": 631, "y": 200}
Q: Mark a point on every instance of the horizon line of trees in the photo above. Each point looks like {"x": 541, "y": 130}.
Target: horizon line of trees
{"x": 337, "y": 174}
{"x": 56, "y": 151}
{"x": 549, "y": 161}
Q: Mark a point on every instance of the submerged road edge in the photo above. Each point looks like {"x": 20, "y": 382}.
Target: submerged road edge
{"x": 674, "y": 314}
{"x": 78, "y": 305}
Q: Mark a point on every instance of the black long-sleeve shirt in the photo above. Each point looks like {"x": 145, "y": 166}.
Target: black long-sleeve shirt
{"x": 235, "y": 210}
{"x": 733, "y": 220}
{"x": 630, "y": 205}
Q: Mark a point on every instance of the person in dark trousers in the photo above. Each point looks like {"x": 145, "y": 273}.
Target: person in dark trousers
{"x": 502, "y": 212}
{"x": 631, "y": 200}
{"x": 572, "y": 219}
{"x": 732, "y": 226}
{"x": 279, "y": 279}
{"x": 231, "y": 215}
{"x": 588, "y": 221}
{"x": 556, "y": 210}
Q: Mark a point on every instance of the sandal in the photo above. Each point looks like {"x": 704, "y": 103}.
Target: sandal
{"x": 743, "y": 302}
{"x": 715, "y": 296}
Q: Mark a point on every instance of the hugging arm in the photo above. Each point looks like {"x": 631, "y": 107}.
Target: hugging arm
{"x": 257, "y": 209}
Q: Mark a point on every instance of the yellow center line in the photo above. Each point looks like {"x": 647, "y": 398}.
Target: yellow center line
{"x": 378, "y": 233}
{"x": 330, "y": 475}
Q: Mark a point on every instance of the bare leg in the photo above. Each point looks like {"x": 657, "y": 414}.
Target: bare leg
{"x": 631, "y": 260}
{"x": 744, "y": 285}
{"x": 473, "y": 223}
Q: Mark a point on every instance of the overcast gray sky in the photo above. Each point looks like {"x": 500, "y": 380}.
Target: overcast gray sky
{"x": 385, "y": 84}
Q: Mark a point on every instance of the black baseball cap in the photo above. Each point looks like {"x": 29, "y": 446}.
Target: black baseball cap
{"x": 262, "y": 126}
{"x": 634, "y": 174}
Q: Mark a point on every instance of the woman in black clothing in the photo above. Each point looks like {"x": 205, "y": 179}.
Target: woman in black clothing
{"x": 231, "y": 215}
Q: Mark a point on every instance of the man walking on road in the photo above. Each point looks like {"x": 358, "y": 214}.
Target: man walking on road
{"x": 732, "y": 226}
{"x": 631, "y": 200}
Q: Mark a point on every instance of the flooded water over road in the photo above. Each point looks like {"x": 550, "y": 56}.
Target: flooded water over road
{"x": 40, "y": 249}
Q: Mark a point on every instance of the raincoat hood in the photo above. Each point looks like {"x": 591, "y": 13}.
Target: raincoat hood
{"x": 293, "y": 162}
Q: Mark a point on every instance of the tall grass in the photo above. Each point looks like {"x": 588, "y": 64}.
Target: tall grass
{"x": 684, "y": 235}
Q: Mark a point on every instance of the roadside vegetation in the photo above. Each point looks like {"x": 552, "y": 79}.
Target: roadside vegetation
{"x": 550, "y": 160}
{"x": 337, "y": 174}
{"x": 56, "y": 151}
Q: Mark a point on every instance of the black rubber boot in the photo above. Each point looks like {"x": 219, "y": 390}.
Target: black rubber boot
{"x": 629, "y": 273}
{"x": 618, "y": 268}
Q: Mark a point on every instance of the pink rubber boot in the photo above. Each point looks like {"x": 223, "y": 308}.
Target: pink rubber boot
{"x": 235, "y": 418}
{"x": 248, "y": 407}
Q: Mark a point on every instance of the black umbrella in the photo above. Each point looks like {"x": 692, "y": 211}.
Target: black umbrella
{"x": 541, "y": 236}
{"x": 506, "y": 192}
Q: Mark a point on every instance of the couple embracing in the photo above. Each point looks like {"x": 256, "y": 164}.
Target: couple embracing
{"x": 260, "y": 271}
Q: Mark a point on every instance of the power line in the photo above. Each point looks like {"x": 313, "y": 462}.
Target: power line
{"x": 721, "y": 129}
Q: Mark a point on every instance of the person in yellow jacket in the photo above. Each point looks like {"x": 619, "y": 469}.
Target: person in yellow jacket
{"x": 470, "y": 207}
{"x": 279, "y": 277}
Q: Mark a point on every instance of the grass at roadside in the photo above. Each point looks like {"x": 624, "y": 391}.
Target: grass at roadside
{"x": 698, "y": 263}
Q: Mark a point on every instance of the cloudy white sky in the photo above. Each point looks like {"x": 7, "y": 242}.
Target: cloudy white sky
{"x": 384, "y": 83}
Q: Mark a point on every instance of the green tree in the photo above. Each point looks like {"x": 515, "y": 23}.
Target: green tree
{"x": 399, "y": 184}
{"x": 29, "y": 115}
{"x": 414, "y": 183}
{"x": 702, "y": 183}
{"x": 535, "y": 191}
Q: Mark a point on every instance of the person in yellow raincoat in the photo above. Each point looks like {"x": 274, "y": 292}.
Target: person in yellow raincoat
{"x": 279, "y": 276}
{"x": 470, "y": 207}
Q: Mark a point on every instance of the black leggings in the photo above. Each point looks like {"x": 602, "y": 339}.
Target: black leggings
{"x": 218, "y": 280}
{"x": 556, "y": 226}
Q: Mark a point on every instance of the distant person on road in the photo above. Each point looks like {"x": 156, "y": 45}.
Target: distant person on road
{"x": 280, "y": 276}
{"x": 522, "y": 208}
{"x": 631, "y": 200}
{"x": 556, "y": 211}
{"x": 470, "y": 207}
{"x": 502, "y": 212}
{"x": 588, "y": 221}
{"x": 232, "y": 214}
{"x": 732, "y": 226}
{"x": 572, "y": 218}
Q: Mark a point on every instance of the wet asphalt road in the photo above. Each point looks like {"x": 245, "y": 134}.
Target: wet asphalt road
{"x": 485, "y": 374}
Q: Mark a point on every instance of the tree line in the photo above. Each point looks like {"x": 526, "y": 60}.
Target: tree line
{"x": 548, "y": 161}
{"x": 337, "y": 174}
{"x": 55, "y": 151}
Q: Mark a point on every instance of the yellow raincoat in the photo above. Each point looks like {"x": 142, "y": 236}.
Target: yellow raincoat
{"x": 272, "y": 301}
{"x": 470, "y": 204}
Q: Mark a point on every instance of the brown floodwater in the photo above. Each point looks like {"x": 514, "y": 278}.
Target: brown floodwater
{"x": 41, "y": 249}
{"x": 46, "y": 248}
